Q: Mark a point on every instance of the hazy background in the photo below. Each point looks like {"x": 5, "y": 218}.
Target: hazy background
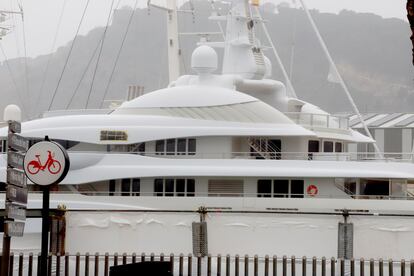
{"x": 371, "y": 51}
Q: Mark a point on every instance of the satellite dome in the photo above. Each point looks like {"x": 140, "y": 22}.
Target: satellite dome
{"x": 204, "y": 59}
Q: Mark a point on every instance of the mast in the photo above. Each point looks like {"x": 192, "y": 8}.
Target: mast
{"x": 172, "y": 35}
{"x": 340, "y": 79}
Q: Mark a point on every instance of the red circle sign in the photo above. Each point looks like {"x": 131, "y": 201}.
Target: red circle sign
{"x": 46, "y": 163}
{"x": 312, "y": 190}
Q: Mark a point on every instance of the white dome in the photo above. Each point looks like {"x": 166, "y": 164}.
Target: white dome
{"x": 188, "y": 96}
{"x": 204, "y": 59}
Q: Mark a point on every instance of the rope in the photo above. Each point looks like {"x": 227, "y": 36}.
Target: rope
{"x": 341, "y": 81}
{"x": 69, "y": 54}
{"x": 51, "y": 55}
{"x": 119, "y": 54}
{"x": 6, "y": 60}
{"x": 99, "y": 55}
{"x": 84, "y": 74}
{"x": 26, "y": 71}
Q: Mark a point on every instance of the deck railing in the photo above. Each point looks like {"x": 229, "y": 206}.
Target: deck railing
{"x": 318, "y": 120}
{"x": 310, "y": 156}
{"x": 99, "y": 264}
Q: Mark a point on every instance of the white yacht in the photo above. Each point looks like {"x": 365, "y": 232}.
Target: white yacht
{"x": 266, "y": 172}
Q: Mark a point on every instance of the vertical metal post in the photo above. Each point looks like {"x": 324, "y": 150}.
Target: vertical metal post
{"x": 171, "y": 261}
{"x": 332, "y": 266}
{"x": 11, "y": 264}
{"x": 45, "y": 230}
{"x": 218, "y": 265}
{"x": 66, "y": 264}
{"x": 246, "y": 265}
{"x": 284, "y": 266}
{"x": 402, "y": 267}
{"x": 352, "y": 267}
{"x": 190, "y": 265}
{"x": 142, "y": 257}
{"x": 304, "y": 265}
{"x": 58, "y": 264}
{"x": 30, "y": 266}
{"x": 5, "y": 255}
{"x": 21, "y": 264}
{"x": 381, "y": 267}
{"x": 237, "y": 265}
{"x": 209, "y": 265}
{"x": 227, "y": 265}
{"x": 106, "y": 264}
{"x": 390, "y": 268}
{"x": 314, "y": 266}
{"x": 361, "y": 267}
{"x": 256, "y": 265}
{"x": 87, "y": 264}
{"x": 274, "y": 265}
{"x": 199, "y": 265}
{"x": 293, "y": 266}
{"x": 134, "y": 258}
{"x": 323, "y": 268}
{"x": 124, "y": 258}
{"x": 371, "y": 267}
{"x": 266, "y": 268}
{"x": 181, "y": 265}
{"x": 96, "y": 264}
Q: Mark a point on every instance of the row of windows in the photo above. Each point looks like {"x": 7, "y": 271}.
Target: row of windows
{"x": 174, "y": 187}
{"x": 280, "y": 188}
{"x": 328, "y": 146}
{"x": 180, "y": 146}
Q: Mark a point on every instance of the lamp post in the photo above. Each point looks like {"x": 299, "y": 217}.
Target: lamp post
{"x": 12, "y": 115}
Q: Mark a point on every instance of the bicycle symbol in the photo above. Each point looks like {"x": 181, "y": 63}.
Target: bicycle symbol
{"x": 53, "y": 166}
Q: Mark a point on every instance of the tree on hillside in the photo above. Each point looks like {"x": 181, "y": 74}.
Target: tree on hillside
{"x": 410, "y": 15}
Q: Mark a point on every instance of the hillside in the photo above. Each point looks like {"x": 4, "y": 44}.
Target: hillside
{"x": 372, "y": 53}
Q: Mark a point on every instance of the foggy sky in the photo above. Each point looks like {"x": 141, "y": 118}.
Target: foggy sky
{"x": 42, "y": 16}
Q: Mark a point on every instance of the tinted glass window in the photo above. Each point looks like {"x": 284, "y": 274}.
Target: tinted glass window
{"x": 169, "y": 187}
{"x": 111, "y": 187}
{"x": 170, "y": 146}
{"x": 296, "y": 189}
{"x": 125, "y": 187}
{"x": 136, "y": 186}
{"x": 328, "y": 146}
{"x": 180, "y": 187}
{"x": 160, "y": 146}
{"x": 264, "y": 188}
{"x": 190, "y": 187}
{"x": 181, "y": 146}
{"x": 158, "y": 187}
{"x": 280, "y": 188}
{"x": 191, "y": 146}
{"x": 313, "y": 146}
{"x": 338, "y": 147}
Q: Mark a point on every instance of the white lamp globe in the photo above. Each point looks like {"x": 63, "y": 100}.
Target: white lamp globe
{"x": 12, "y": 113}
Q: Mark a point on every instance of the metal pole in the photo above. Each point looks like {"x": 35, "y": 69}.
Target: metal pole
{"x": 5, "y": 256}
{"x": 45, "y": 230}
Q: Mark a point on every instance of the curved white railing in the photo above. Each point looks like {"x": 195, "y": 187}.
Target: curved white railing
{"x": 318, "y": 120}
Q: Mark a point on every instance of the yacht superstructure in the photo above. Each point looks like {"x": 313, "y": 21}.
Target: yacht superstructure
{"x": 276, "y": 166}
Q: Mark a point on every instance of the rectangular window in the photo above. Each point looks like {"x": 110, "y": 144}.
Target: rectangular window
{"x": 170, "y": 146}
{"x": 181, "y": 146}
{"x": 190, "y": 187}
{"x": 264, "y": 188}
{"x": 296, "y": 188}
{"x": 125, "y": 187}
{"x": 328, "y": 146}
{"x": 113, "y": 135}
{"x": 112, "y": 187}
{"x": 191, "y": 146}
{"x": 160, "y": 147}
{"x": 159, "y": 187}
{"x": 136, "y": 187}
{"x": 180, "y": 187}
{"x": 313, "y": 146}
{"x": 281, "y": 188}
{"x": 169, "y": 187}
{"x": 338, "y": 147}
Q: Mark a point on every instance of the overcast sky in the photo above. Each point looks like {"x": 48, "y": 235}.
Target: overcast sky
{"x": 42, "y": 17}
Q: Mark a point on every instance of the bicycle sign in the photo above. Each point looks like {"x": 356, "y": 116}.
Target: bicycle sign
{"x": 46, "y": 163}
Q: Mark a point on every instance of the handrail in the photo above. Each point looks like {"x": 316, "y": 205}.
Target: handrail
{"x": 226, "y": 194}
{"x": 319, "y": 120}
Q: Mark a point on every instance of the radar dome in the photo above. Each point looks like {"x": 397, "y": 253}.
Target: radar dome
{"x": 204, "y": 59}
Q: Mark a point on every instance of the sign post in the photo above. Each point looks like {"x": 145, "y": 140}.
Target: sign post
{"x": 16, "y": 188}
{"x": 46, "y": 163}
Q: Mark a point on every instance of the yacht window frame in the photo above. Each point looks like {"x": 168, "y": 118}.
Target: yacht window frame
{"x": 189, "y": 187}
{"x": 273, "y": 184}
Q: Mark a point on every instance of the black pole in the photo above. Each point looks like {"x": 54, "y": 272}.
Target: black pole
{"x": 45, "y": 230}
{"x": 5, "y": 255}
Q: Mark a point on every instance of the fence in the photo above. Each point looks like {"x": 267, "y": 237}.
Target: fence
{"x": 94, "y": 265}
